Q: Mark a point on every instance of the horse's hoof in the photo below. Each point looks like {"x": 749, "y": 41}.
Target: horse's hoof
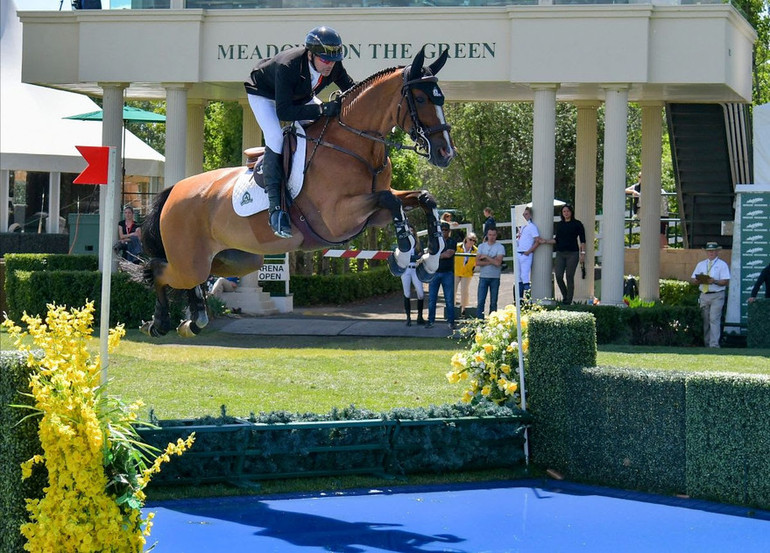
{"x": 188, "y": 329}
{"x": 395, "y": 269}
{"x": 423, "y": 274}
{"x": 151, "y": 329}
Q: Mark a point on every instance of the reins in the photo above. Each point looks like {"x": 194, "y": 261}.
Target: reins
{"x": 418, "y": 133}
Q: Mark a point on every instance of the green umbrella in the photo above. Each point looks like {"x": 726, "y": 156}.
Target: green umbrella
{"x": 129, "y": 114}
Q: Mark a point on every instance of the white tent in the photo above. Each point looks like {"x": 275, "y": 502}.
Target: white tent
{"x": 33, "y": 135}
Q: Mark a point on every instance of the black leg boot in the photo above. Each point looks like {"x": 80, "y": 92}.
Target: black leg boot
{"x": 279, "y": 219}
{"x": 408, "y": 311}
{"x": 420, "y": 304}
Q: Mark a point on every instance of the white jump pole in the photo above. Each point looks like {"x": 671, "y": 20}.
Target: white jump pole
{"x": 517, "y": 301}
{"x": 108, "y": 224}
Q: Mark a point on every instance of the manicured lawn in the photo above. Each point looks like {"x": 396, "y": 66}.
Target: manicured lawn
{"x": 187, "y": 378}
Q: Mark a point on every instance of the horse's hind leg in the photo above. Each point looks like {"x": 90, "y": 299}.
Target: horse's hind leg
{"x": 196, "y": 300}
{"x": 161, "y": 321}
{"x": 398, "y": 260}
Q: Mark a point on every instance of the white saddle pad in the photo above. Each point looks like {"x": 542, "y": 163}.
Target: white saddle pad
{"x": 249, "y": 198}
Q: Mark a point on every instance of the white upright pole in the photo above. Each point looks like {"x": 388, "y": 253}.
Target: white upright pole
{"x": 108, "y": 224}
{"x": 517, "y": 300}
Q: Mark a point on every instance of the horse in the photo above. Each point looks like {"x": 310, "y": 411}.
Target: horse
{"x": 192, "y": 230}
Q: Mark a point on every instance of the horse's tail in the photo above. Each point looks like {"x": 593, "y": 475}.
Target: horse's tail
{"x": 151, "y": 239}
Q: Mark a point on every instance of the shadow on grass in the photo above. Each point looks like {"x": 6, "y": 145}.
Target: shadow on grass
{"x": 213, "y": 337}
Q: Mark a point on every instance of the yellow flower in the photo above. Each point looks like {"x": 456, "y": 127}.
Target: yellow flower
{"x": 505, "y": 368}
{"x": 488, "y": 348}
{"x": 453, "y": 377}
{"x": 485, "y": 391}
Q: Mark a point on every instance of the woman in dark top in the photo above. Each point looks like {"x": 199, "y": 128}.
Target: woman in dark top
{"x": 284, "y": 88}
{"x": 570, "y": 241}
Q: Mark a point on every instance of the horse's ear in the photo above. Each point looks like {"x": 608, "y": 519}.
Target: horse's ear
{"x": 436, "y": 66}
{"x": 416, "y": 68}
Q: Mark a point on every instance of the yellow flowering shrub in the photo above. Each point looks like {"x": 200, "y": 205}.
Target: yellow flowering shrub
{"x": 97, "y": 467}
{"x": 488, "y": 368}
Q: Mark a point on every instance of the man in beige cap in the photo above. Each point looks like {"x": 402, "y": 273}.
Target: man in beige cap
{"x": 712, "y": 275}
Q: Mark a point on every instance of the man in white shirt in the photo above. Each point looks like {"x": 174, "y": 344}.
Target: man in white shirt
{"x": 489, "y": 259}
{"x": 713, "y": 276}
{"x": 526, "y": 245}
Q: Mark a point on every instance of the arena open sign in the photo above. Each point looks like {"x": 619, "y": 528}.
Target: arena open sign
{"x": 275, "y": 268}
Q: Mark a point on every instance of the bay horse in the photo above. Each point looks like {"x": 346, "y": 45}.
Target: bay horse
{"x": 192, "y": 230}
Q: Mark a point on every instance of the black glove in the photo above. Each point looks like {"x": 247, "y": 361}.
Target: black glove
{"x": 330, "y": 109}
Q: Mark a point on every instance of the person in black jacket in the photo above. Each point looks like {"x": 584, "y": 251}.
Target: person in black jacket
{"x": 764, "y": 278}
{"x": 284, "y": 88}
{"x": 570, "y": 241}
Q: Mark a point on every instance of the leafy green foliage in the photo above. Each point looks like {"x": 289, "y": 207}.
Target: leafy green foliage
{"x": 401, "y": 441}
{"x": 337, "y": 289}
{"x": 18, "y": 442}
{"x": 222, "y": 131}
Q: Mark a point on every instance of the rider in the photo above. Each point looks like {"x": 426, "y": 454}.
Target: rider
{"x": 284, "y": 88}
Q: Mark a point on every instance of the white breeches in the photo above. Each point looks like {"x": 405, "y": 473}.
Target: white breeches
{"x": 409, "y": 279}
{"x": 267, "y": 119}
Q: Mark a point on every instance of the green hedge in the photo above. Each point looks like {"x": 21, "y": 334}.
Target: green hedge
{"x": 18, "y": 442}
{"x": 728, "y": 438}
{"x": 337, "y": 289}
{"x": 626, "y": 428}
{"x": 705, "y": 435}
{"x": 345, "y": 441}
{"x": 31, "y": 291}
{"x": 758, "y": 321}
{"x": 678, "y": 292}
{"x": 558, "y": 340}
{"x": 659, "y": 325}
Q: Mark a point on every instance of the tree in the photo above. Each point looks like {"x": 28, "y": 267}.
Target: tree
{"x": 757, "y": 13}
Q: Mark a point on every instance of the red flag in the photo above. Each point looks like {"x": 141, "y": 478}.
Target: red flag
{"x": 98, "y": 158}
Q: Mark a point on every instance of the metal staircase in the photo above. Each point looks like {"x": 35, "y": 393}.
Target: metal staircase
{"x": 710, "y": 150}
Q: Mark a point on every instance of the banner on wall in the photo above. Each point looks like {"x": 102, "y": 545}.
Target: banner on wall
{"x": 751, "y": 251}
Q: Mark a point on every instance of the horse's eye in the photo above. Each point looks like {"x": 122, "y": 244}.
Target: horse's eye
{"x": 420, "y": 99}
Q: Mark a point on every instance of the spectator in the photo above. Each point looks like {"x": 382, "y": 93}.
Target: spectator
{"x": 570, "y": 242}
{"x": 489, "y": 222}
{"x": 713, "y": 275}
{"x": 764, "y": 278}
{"x": 526, "y": 242}
{"x": 129, "y": 236}
{"x": 490, "y": 260}
{"x": 409, "y": 279}
{"x": 464, "y": 265}
{"x": 444, "y": 279}
{"x": 221, "y": 285}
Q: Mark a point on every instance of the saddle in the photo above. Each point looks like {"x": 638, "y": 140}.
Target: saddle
{"x": 255, "y": 156}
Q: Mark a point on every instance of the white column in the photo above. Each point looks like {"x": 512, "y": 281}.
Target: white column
{"x": 112, "y": 135}
{"x": 54, "y": 203}
{"x": 585, "y": 192}
{"x": 543, "y": 174}
{"x": 613, "y": 199}
{"x": 252, "y": 134}
{"x": 176, "y": 133}
{"x": 196, "y": 110}
{"x": 5, "y": 195}
{"x": 649, "y": 252}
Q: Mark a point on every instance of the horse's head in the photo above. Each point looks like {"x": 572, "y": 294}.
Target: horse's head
{"x": 424, "y": 99}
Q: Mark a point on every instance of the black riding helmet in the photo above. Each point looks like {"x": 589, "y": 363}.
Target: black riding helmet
{"x": 325, "y": 43}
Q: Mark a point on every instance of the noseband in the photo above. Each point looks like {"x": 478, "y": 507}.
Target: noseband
{"x": 419, "y": 132}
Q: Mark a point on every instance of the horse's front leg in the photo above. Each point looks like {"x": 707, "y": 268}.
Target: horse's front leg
{"x": 428, "y": 263}
{"x": 398, "y": 260}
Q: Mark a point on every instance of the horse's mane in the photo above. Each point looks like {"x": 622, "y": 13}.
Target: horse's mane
{"x": 352, "y": 93}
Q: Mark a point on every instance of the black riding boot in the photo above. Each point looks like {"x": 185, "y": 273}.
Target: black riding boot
{"x": 408, "y": 310}
{"x": 420, "y": 304}
{"x": 273, "y": 171}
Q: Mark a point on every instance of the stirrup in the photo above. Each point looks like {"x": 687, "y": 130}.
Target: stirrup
{"x": 279, "y": 222}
